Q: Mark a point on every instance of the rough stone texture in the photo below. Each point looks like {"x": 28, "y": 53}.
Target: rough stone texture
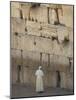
{"x": 30, "y": 37}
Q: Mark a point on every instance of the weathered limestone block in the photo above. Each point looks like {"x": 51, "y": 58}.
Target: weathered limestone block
{"x": 71, "y": 35}
{"x": 29, "y": 76}
{"x": 67, "y": 80}
{"x": 15, "y": 53}
{"x": 44, "y": 61}
{"x": 62, "y": 32}
{"x": 40, "y": 44}
{"x": 31, "y": 59}
{"x": 63, "y": 79}
{"x": 51, "y": 79}
{"x": 40, "y": 29}
{"x": 56, "y": 48}
{"x": 33, "y": 28}
{"x": 49, "y": 27}
{"x": 72, "y": 66}
{"x": 39, "y": 13}
{"x": 34, "y": 25}
{"x": 15, "y": 62}
{"x": 59, "y": 63}
{"x": 69, "y": 84}
{"x": 63, "y": 63}
{"x": 15, "y": 11}
{"x": 48, "y": 31}
{"x": 53, "y": 34}
{"x": 50, "y": 16}
{"x": 17, "y": 44}
{"x": 32, "y": 77}
{"x": 45, "y": 34}
{"x": 68, "y": 49}
{"x": 26, "y": 75}
{"x": 18, "y": 25}
{"x": 60, "y": 13}
{"x": 54, "y": 17}
{"x": 68, "y": 15}
{"x": 12, "y": 40}
{"x": 13, "y": 69}
{"x": 25, "y": 11}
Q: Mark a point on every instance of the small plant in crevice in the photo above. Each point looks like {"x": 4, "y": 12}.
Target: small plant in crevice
{"x": 36, "y": 20}
{"x": 55, "y": 38}
{"x": 66, "y": 40}
{"x": 25, "y": 29}
{"x": 40, "y": 28}
{"x": 32, "y": 19}
{"x": 16, "y": 33}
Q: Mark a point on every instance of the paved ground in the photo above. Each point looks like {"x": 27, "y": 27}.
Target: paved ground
{"x": 28, "y": 91}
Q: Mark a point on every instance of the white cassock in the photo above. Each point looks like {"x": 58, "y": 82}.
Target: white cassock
{"x": 39, "y": 80}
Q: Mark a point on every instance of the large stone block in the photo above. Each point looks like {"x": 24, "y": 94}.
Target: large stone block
{"x": 15, "y": 12}
{"x": 67, "y": 80}
{"x": 68, "y": 15}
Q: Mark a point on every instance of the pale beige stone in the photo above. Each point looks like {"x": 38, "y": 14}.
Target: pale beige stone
{"x": 32, "y": 35}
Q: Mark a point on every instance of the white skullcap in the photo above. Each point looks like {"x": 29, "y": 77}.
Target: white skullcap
{"x": 40, "y": 67}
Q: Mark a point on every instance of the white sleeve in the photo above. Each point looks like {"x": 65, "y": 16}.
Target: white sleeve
{"x": 42, "y": 74}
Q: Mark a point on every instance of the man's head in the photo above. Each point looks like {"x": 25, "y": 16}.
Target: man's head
{"x": 40, "y": 67}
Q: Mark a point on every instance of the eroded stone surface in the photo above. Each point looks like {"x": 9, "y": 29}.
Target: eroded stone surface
{"x": 32, "y": 34}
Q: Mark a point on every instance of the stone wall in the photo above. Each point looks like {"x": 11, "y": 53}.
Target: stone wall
{"x": 33, "y": 36}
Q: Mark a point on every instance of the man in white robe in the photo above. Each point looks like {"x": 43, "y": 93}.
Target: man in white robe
{"x": 39, "y": 80}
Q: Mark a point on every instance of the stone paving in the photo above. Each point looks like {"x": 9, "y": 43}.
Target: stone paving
{"x": 21, "y": 90}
